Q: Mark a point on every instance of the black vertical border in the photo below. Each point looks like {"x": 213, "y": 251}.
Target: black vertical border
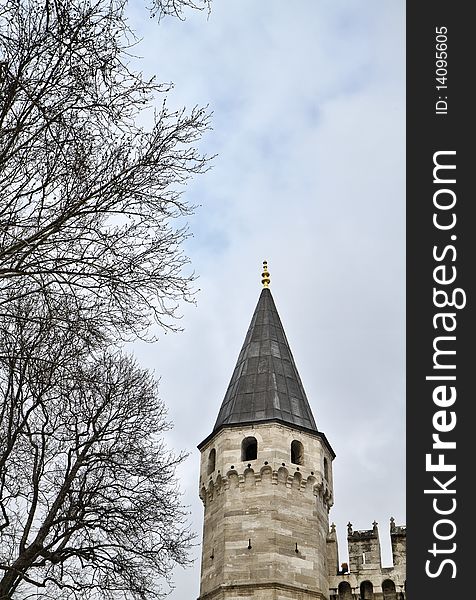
{"x": 426, "y": 133}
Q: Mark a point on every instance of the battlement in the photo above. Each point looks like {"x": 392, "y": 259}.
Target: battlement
{"x": 364, "y": 548}
{"x": 249, "y": 478}
{"x": 363, "y": 534}
{"x": 365, "y": 577}
{"x": 397, "y": 529}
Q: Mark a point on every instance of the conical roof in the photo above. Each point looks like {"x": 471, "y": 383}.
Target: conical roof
{"x": 265, "y": 385}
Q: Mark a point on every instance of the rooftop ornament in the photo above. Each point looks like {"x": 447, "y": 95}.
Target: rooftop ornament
{"x": 265, "y": 275}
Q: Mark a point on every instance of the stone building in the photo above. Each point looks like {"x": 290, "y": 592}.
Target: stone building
{"x": 364, "y": 577}
{"x": 266, "y": 483}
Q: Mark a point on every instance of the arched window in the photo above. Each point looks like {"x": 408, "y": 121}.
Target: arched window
{"x": 326, "y": 469}
{"x": 249, "y": 448}
{"x": 388, "y": 589}
{"x": 345, "y": 591}
{"x": 366, "y": 590}
{"x": 211, "y": 461}
{"x": 297, "y": 453}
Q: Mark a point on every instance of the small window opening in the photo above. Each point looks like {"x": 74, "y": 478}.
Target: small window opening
{"x": 249, "y": 449}
{"x": 367, "y": 590}
{"x": 344, "y": 591}
{"x": 297, "y": 453}
{"x": 211, "y": 461}
{"x": 388, "y": 589}
{"x": 326, "y": 469}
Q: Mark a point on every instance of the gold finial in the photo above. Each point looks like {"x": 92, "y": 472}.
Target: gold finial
{"x": 265, "y": 275}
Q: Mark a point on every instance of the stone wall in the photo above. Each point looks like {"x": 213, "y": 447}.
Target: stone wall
{"x": 367, "y": 579}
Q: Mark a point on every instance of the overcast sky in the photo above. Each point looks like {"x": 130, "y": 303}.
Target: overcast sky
{"x": 308, "y": 125}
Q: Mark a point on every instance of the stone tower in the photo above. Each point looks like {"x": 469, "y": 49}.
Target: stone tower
{"x": 265, "y": 478}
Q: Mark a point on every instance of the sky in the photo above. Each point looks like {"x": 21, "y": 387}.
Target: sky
{"x": 308, "y": 127}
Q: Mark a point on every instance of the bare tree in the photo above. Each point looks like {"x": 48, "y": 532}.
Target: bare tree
{"x": 89, "y": 197}
{"x": 91, "y": 229}
{"x": 88, "y": 503}
{"x": 176, "y": 8}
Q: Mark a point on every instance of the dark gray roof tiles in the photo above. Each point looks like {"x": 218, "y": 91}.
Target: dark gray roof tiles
{"x": 265, "y": 385}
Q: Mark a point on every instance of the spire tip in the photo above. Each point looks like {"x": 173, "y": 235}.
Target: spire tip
{"x": 265, "y": 275}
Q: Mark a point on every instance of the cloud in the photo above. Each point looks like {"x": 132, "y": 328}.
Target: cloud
{"x": 309, "y": 130}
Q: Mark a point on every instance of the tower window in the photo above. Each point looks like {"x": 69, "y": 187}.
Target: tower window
{"x": 211, "y": 461}
{"x": 297, "y": 453}
{"x": 249, "y": 448}
{"x": 326, "y": 469}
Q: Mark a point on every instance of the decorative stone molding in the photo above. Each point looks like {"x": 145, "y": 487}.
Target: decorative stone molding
{"x": 292, "y": 479}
